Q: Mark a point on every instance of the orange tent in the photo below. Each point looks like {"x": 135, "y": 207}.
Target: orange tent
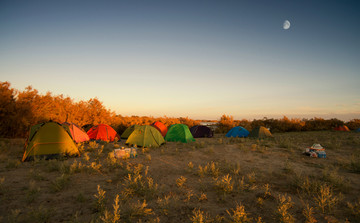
{"x": 103, "y": 132}
{"x": 343, "y": 128}
{"x": 161, "y": 127}
{"x": 77, "y": 134}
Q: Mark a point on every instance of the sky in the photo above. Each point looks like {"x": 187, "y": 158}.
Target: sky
{"x": 196, "y": 59}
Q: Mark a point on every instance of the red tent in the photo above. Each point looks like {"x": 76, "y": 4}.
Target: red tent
{"x": 342, "y": 128}
{"x": 103, "y": 132}
{"x": 77, "y": 134}
{"x": 161, "y": 127}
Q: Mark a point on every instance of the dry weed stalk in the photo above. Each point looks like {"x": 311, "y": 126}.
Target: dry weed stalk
{"x": 115, "y": 216}
{"x": 308, "y": 213}
{"x": 181, "y": 181}
{"x": 198, "y": 216}
{"x": 239, "y": 215}
{"x": 284, "y": 204}
{"x": 325, "y": 198}
{"x": 100, "y": 200}
{"x": 225, "y": 184}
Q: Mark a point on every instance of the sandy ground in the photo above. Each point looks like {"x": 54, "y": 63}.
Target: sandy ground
{"x": 57, "y": 191}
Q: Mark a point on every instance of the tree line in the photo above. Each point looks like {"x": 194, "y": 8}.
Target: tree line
{"x": 285, "y": 124}
{"x": 19, "y": 110}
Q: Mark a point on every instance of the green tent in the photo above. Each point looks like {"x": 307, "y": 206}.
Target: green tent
{"x": 128, "y": 131}
{"x": 179, "y": 133}
{"x": 260, "y": 132}
{"x": 145, "y": 136}
{"x": 49, "y": 140}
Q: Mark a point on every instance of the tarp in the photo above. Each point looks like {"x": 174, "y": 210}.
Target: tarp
{"x": 179, "y": 133}
{"x": 49, "y": 140}
{"x": 145, "y": 136}
{"x": 237, "y": 131}
{"x": 201, "y": 131}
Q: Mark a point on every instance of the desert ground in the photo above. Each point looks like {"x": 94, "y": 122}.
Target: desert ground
{"x": 211, "y": 180}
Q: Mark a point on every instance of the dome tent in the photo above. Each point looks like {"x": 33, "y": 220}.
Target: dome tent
{"x": 161, "y": 127}
{"x": 128, "y": 131}
{"x": 103, "y": 132}
{"x": 145, "y": 136}
{"x": 342, "y": 128}
{"x": 77, "y": 134}
{"x": 201, "y": 131}
{"x": 179, "y": 133}
{"x": 49, "y": 140}
{"x": 260, "y": 132}
{"x": 237, "y": 131}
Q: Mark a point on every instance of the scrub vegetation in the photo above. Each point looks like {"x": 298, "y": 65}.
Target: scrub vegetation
{"x": 22, "y": 109}
{"x": 210, "y": 180}
{"x": 240, "y": 180}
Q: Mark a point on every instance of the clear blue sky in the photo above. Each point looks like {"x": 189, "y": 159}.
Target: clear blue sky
{"x": 199, "y": 59}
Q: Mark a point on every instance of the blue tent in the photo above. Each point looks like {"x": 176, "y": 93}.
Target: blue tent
{"x": 357, "y": 130}
{"x": 237, "y": 131}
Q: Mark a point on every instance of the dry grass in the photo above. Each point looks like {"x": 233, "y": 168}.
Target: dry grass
{"x": 210, "y": 180}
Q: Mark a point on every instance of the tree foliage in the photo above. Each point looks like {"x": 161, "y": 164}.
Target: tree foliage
{"x": 19, "y": 110}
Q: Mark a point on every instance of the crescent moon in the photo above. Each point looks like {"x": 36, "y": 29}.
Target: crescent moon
{"x": 286, "y": 24}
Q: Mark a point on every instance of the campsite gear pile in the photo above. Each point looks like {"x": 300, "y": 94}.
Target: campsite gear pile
{"x": 125, "y": 153}
{"x": 316, "y": 150}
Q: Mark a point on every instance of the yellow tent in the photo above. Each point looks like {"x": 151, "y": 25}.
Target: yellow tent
{"x": 49, "y": 140}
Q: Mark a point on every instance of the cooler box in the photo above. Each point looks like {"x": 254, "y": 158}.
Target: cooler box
{"x": 321, "y": 154}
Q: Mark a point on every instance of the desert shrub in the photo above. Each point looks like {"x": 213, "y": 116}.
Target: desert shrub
{"x": 12, "y": 164}
{"x": 32, "y": 192}
{"x": 181, "y": 181}
{"x": 354, "y": 165}
{"x": 2, "y": 180}
{"x": 202, "y": 197}
{"x": 198, "y": 216}
{"x": 138, "y": 210}
{"x": 225, "y": 184}
{"x": 60, "y": 183}
{"x": 239, "y": 215}
{"x": 284, "y": 205}
{"x": 333, "y": 178}
{"x": 137, "y": 184}
{"x": 40, "y": 214}
{"x": 100, "y": 200}
{"x": 76, "y": 167}
{"x": 305, "y": 185}
{"x": 325, "y": 198}
{"x": 112, "y": 217}
{"x": 14, "y": 216}
{"x": 354, "y": 208}
{"x": 308, "y": 213}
